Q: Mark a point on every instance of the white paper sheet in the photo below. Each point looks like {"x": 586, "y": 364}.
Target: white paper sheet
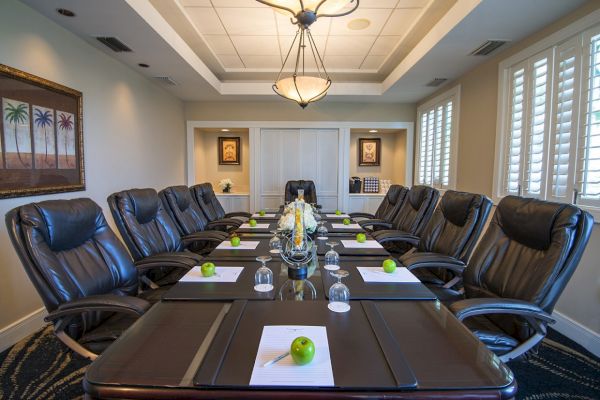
{"x": 222, "y": 274}
{"x": 337, "y": 216}
{"x": 263, "y": 216}
{"x": 258, "y": 226}
{"x": 342, "y": 226}
{"x": 377, "y": 274}
{"x": 276, "y": 340}
{"x": 369, "y": 244}
{"x": 244, "y": 245}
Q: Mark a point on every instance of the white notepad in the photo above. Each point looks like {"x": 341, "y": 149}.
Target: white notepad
{"x": 342, "y": 226}
{"x": 244, "y": 245}
{"x": 377, "y": 274}
{"x": 222, "y": 274}
{"x": 258, "y": 226}
{"x": 337, "y": 216}
{"x": 369, "y": 244}
{"x": 263, "y": 216}
{"x": 276, "y": 340}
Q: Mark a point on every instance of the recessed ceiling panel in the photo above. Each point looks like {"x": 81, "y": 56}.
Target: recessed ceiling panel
{"x": 349, "y": 45}
{"x": 206, "y": 20}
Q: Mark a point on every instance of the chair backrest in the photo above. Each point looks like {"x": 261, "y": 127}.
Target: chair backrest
{"x": 456, "y": 224}
{"x": 417, "y": 209}
{"x": 69, "y": 251}
{"x": 145, "y": 225}
{"x": 188, "y": 216}
{"x": 529, "y": 251}
{"x": 310, "y": 191}
{"x": 391, "y": 203}
{"x": 204, "y": 196}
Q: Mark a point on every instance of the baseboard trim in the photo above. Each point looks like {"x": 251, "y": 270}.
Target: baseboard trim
{"x": 577, "y": 332}
{"x": 22, "y": 328}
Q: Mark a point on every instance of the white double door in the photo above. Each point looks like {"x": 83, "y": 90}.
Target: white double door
{"x": 292, "y": 154}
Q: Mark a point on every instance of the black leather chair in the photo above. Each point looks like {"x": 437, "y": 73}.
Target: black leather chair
{"x": 411, "y": 219}
{"x": 80, "y": 269}
{"x": 387, "y": 211}
{"x": 310, "y": 191}
{"x": 190, "y": 220}
{"x": 204, "y": 196}
{"x": 519, "y": 270}
{"x": 448, "y": 239}
{"x": 152, "y": 236}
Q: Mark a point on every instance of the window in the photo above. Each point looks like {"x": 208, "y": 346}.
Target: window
{"x": 436, "y": 140}
{"x": 549, "y": 130}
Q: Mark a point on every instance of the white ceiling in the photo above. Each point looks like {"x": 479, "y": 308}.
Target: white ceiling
{"x": 222, "y": 50}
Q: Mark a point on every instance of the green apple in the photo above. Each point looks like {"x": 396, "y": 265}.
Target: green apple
{"x": 207, "y": 269}
{"x": 235, "y": 241}
{"x": 346, "y": 221}
{"x": 262, "y": 213}
{"x": 361, "y": 237}
{"x": 252, "y": 223}
{"x": 389, "y": 266}
{"x": 302, "y": 350}
{"x": 338, "y": 212}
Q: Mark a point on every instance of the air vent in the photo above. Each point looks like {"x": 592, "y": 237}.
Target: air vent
{"x": 437, "y": 82}
{"x": 114, "y": 44}
{"x": 166, "y": 80}
{"x": 488, "y": 47}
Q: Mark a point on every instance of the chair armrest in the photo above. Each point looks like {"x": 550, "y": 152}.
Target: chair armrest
{"x": 362, "y": 215}
{"x": 227, "y": 223}
{"x": 183, "y": 260}
{"x": 104, "y": 302}
{"x": 375, "y": 222}
{"x": 477, "y": 306}
{"x": 203, "y": 237}
{"x": 387, "y": 236}
{"x": 238, "y": 214}
{"x": 432, "y": 260}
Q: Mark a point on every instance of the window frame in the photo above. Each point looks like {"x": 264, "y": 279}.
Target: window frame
{"x": 431, "y": 105}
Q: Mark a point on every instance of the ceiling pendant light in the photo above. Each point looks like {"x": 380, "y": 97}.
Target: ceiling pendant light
{"x": 300, "y": 87}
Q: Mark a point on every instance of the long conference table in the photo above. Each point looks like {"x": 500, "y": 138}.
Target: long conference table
{"x": 201, "y": 340}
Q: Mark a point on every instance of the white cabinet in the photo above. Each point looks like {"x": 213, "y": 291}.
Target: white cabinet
{"x": 232, "y": 202}
{"x": 364, "y": 202}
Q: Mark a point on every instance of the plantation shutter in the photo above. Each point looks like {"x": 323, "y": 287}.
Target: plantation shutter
{"x": 516, "y": 123}
{"x": 447, "y": 140}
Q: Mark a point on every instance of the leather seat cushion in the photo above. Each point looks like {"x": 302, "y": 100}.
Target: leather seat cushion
{"x": 490, "y": 334}
{"x": 426, "y": 276}
{"x": 102, "y": 336}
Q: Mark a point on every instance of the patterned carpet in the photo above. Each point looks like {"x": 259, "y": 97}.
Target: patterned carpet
{"x": 41, "y": 367}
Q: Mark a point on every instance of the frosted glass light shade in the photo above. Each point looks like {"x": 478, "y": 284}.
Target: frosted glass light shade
{"x": 306, "y": 89}
{"x": 329, "y": 7}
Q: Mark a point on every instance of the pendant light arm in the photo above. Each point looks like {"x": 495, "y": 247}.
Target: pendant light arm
{"x": 278, "y": 6}
{"x": 317, "y": 55}
{"x": 334, "y": 15}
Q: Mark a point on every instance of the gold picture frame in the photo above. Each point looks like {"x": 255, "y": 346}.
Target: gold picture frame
{"x": 369, "y": 152}
{"x": 229, "y": 150}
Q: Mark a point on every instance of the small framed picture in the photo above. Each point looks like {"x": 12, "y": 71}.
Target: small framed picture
{"x": 229, "y": 150}
{"x": 369, "y": 152}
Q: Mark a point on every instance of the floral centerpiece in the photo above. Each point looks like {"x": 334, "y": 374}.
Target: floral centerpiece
{"x": 226, "y": 185}
{"x": 288, "y": 219}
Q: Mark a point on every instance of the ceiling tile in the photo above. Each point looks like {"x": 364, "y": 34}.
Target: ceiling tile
{"x": 349, "y": 45}
{"x": 377, "y": 17}
{"x": 195, "y": 3}
{"x": 206, "y": 20}
{"x": 342, "y": 62}
{"x": 412, "y": 3}
{"x": 248, "y": 21}
{"x": 237, "y": 4}
{"x": 256, "y": 45}
{"x": 231, "y": 61}
{"x": 220, "y": 44}
{"x": 375, "y": 4}
{"x": 286, "y": 41}
{"x": 400, "y": 21}
{"x": 384, "y": 45}
{"x": 372, "y": 62}
{"x": 262, "y": 61}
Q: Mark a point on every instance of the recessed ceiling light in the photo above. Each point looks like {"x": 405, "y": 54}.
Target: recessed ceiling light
{"x": 65, "y": 12}
{"x": 373, "y": 131}
{"x": 143, "y": 65}
{"x": 224, "y": 130}
{"x": 359, "y": 24}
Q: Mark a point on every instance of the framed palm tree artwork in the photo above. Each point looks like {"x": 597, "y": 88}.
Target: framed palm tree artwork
{"x": 41, "y": 136}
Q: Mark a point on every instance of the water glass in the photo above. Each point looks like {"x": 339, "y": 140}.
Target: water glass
{"x": 263, "y": 278}
{"x": 332, "y": 258}
{"x": 322, "y": 231}
{"x": 275, "y": 243}
{"x": 339, "y": 294}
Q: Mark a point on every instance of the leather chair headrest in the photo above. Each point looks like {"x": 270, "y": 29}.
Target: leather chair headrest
{"x": 65, "y": 224}
{"x": 145, "y": 204}
{"x": 457, "y": 206}
{"x": 182, "y": 196}
{"x": 417, "y": 195}
{"x": 531, "y": 221}
{"x": 394, "y": 194}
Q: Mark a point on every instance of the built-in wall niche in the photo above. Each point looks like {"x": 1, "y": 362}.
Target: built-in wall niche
{"x": 392, "y": 159}
{"x": 206, "y": 158}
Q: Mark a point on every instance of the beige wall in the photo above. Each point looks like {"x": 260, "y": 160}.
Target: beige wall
{"x": 288, "y": 111}
{"x": 477, "y": 134}
{"x": 207, "y": 161}
{"x": 393, "y": 156}
{"x": 134, "y": 132}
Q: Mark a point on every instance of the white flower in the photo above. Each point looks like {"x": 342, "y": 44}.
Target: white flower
{"x": 287, "y": 220}
{"x": 225, "y": 183}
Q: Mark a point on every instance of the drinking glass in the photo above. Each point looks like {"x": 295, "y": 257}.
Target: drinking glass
{"x": 322, "y": 231}
{"x": 263, "y": 278}
{"x": 339, "y": 294}
{"x": 275, "y": 243}
{"x": 332, "y": 258}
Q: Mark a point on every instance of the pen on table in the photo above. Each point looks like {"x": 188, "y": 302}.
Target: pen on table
{"x": 276, "y": 359}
